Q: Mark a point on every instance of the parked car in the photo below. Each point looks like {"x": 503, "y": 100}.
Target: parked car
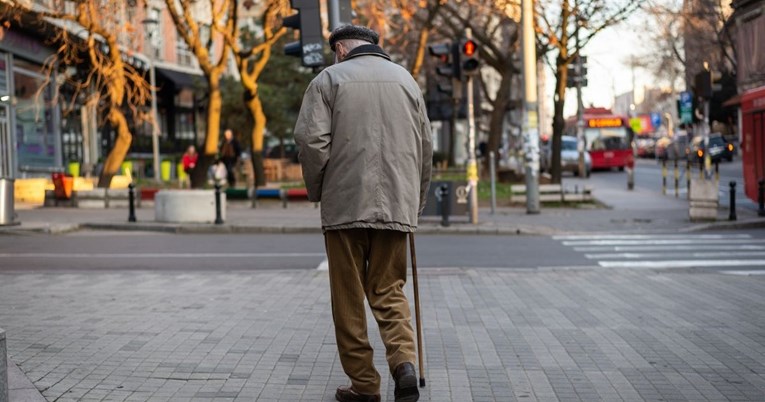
{"x": 672, "y": 148}
{"x": 646, "y": 146}
{"x": 569, "y": 157}
{"x": 718, "y": 149}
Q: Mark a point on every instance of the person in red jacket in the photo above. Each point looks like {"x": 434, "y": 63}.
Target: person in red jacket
{"x": 189, "y": 160}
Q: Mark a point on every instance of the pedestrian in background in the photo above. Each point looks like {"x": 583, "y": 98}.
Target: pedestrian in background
{"x": 189, "y": 162}
{"x": 230, "y": 151}
{"x": 365, "y": 148}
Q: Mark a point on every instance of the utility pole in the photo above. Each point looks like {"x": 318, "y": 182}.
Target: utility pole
{"x": 530, "y": 115}
{"x": 579, "y": 104}
{"x": 472, "y": 167}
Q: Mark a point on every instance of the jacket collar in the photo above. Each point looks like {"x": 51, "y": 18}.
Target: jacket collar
{"x": 367, "y": 50}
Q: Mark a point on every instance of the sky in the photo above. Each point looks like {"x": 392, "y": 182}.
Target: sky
{"x": 608, "y": 71}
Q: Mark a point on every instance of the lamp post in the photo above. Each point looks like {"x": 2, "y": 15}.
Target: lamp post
{"x": 149, "y": 23}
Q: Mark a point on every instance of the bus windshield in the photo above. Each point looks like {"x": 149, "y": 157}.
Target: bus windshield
{"x": 606, "y": 138}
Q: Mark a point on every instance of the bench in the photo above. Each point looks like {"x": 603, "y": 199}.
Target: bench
{"x": 552, "y": 193}
{"x": 193, "y": 206}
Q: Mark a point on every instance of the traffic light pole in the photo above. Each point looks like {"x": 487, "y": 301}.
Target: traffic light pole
{"x": 472, "y": 168}
{"x": 530, "y": 115}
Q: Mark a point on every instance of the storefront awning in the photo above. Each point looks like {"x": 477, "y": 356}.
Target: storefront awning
{"x": 181, "y": 79}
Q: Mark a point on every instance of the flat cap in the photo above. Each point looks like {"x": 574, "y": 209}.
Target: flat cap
{"x": 353, "y": 32}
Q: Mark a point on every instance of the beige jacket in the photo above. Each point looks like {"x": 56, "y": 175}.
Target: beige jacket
{"x": 365, "y": 144}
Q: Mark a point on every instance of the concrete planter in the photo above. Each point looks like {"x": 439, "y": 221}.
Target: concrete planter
{"x": 187, "y": 206}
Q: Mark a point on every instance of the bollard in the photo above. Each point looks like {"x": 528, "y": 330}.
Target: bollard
{"x": 717, "y": 171}
{"x": 283, "y": 196}
{"x": 631, "y": 177}
{"x": 218, "y": 218}
{"x": 493, "y": 174}
{"x": 701, "y": 171}
{"x": 664, "y": 177}
{"x": 131, "y": 199}
{"x": 254, "y": 198}
{"x": 688, "y": 179}
{"x": 443, "y": 196}
{"x": 761, "y": 197}
{"x": 677, "y": 180}
{"x": 732, "y": 214}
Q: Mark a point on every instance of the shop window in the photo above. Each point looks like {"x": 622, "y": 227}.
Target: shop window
{"x": 35, "y": 134}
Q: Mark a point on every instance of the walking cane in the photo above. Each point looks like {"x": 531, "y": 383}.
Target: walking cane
{"x": 417, "y": 319}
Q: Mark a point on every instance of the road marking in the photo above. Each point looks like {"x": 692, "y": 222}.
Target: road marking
{"x": 651, "y": 237}
{"x": 681, "y": 264}
{"x": 659, "y": 242}
{"x": 324, "y": 266}
{"x": 744, "y": 273}
{"x": 159, "y": 255}
{"x": 688, "y": 247}
{"x": 675, "y": 255}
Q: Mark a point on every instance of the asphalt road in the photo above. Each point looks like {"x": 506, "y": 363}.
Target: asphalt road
{"x": 119, "y": 251}
{"x": 648, "y": 175}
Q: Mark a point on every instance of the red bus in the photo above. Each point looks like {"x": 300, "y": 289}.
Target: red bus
{"x": 607, "y": 137}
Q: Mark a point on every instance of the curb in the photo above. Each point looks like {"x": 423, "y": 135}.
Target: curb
{"x": 734, "y": 225}
{"x": 3, "y": 368}
{"x": 244, "y": 229}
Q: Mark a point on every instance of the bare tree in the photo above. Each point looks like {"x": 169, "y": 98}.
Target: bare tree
{"x": 88, "y": 35}
{"x": 558, "y": 23}
{"x": 251, "y": 60}
{"x": 199, "y": 24}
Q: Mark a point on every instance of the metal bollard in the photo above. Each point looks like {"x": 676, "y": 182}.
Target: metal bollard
{"x": 717, "y": 171}
{"x": 493, "y": 174}
{"x": 218, "y": 215}
{"x": 732, "y": 214}
{"x": 443, "y": 192}
{"x": 664, "y": 177}
{"x": 761, "y": 197}
{"x": 677, "y": 180}
{"x": 254, "y": 198}
{"x": 701, "y": 170}
{"x": 283, "y": 196}
{"x": 688, "y": 179}
{"x": 131, "y": 198}
{"x": 631, "y": 177}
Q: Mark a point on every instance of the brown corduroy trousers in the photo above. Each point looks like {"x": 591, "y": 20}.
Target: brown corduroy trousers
{"x": 369, "y": 263}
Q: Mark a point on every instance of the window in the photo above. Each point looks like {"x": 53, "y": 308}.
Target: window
{"x": 185, "y": 56}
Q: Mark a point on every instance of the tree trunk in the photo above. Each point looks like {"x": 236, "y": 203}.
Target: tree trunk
{"x": 120, "y": 149}
{"x": 422, "y": 42}
{"x": 559, "y": 122}
{"x": 258, "y": 131}
{"x": 207, "y": 156}
{"x": 497, "y": 120}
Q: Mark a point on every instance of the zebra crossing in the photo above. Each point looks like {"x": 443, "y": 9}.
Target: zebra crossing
{"x": 743, "y": 252}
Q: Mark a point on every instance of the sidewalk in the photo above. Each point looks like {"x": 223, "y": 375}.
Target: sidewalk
{"x": 619, "y": 210}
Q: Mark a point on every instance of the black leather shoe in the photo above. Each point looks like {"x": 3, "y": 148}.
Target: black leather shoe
{"x": 406, "y": 383}
{"x": 347, "y": 394}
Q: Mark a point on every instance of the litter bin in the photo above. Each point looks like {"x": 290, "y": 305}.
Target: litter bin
{"x": 62, "y": 185}
{"x": 6, "y": 202}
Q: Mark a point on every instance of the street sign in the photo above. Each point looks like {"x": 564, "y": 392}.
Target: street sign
{"x": 655, "y": 120}
{"x": 686, "y": 107}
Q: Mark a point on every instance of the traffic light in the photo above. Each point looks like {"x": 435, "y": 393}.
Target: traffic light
{"x": 469, "y": 57}
{"x": 577, "y": 76}
{"x": 446, "y": 65}
{"x": 310, "y": 47}
{"x": 707, "y": 82}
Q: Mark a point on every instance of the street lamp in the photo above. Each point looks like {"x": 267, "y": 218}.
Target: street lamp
{"x": 149, "y": 24}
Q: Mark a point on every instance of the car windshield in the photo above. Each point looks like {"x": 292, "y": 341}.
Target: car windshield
{"x": 716, "y": 141}
{"x": 568, "y": 145}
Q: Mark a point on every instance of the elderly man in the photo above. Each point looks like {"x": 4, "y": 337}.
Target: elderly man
{"x": 365, "y": 147}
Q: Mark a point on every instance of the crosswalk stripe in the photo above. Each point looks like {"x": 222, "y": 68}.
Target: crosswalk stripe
{"x": 681, "y": 247}
{"x": 682, "y": 264}
{"x": 159, "y": 255}
{"x": 737, "y": 254}
{"x": 658, "y": 242}
{"x": 745, "y": 273}
{"x": 652, "y": 237}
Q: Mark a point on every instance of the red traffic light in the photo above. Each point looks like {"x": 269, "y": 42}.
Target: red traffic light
{"x": 469, "y": 48}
